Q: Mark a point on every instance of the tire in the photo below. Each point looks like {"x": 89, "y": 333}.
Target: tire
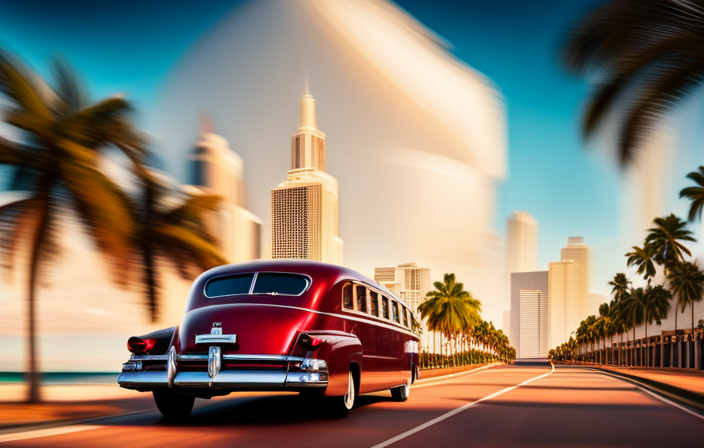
{"x": 172, "y": 405}
{"x": 401, "y": 393}
{"x": 341, "y": 406}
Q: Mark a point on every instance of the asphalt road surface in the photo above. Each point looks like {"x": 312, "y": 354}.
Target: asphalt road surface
{"x": 510, "y": 406}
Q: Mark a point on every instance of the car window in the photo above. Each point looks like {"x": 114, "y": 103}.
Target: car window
{"x": 394, "y": 307}
{"x": 374, "y": 303}
{"x": 361, "y": 298}
{"x": 347, "y": 297}
{"x": 385, "y": 307}
{"x": 405, "y": 317}
{"x": 229, "y": 286}
{"x": 283, "y": 284}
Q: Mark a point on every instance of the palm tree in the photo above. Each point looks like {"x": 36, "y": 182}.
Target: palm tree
{"x": 56, "y": 167}
{"x": 648, "y": 56}
{"x": 695, "y": 194}
{"x": 656, "y": 309}
{"x": 642, "y": 257}
{"x": 620, "y": 285}
{"x": 633, "y": 307}
{"x": 170, "y": 233}
{"x": 449, "y": 307}
{"x": 665, "y": 239}
{"x": 687, "y": 284}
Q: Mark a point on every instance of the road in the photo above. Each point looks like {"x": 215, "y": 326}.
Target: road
{"x": 516, "y": 406}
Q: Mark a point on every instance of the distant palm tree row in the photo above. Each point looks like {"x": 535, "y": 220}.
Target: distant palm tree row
{"x": 630, "y": 307}
{"x": 467, "y": 339}
{"x": 56, "y": 168}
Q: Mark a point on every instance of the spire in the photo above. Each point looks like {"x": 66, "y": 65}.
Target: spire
{"x": 308, "y": 111}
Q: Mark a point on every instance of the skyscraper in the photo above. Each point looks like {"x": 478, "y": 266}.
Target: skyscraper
{"x": 569, "y": 285}
{"x": 530, "y": 312}
{"x": 218, "y": 170}
{"x": 579, "y": 253}
{"x": 564, "y": 300}
{"x": 304, "y": 217}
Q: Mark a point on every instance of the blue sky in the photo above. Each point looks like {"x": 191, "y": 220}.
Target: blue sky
{"x": 131, "y": 47}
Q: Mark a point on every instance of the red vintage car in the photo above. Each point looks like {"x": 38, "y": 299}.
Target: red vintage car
{"x": 318, "y": 329}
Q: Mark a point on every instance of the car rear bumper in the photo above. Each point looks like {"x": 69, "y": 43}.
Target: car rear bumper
{"x": 292, "y": 377}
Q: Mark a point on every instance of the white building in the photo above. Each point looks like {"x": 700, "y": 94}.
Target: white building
{"x": 521, "y": 251}
{"x": 304, "y": 218}
{"x": 218, "y": 170}
{"x": 408, "y": 281}
{"x": 530, "y": 314}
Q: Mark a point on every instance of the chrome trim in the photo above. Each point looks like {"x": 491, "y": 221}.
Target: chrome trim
{"x": 214, "y": 362}
{"x": 148, "y": 379}
{"x": 149, "y": 358}
{"x": 307, "y": 379}
{"x": 254, "y": 282}
{"x": 240, "y": 379}
{"x": 171, "y": 367}
{"x": 307, "y": 277}
{"x": 282, "y": 358}
{"x": 193, "y": 357}
{"x": 216, "y": 338}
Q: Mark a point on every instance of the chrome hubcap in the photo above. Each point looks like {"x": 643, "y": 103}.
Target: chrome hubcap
{"x": 349, "y": 397}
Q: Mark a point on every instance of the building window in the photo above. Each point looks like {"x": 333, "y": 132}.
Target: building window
{"x": 361, "y": 298}
{"x": 374, "y": 303}
{"x": 347, "y": 296}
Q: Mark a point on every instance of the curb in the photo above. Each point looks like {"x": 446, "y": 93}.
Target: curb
{"x": 686, "y": 398}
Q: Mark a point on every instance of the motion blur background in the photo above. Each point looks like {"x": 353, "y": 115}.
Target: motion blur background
{"x": 426, "y": 174}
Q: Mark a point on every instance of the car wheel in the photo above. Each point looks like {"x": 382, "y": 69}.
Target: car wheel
{"x": 341, "y": 406}
{"x": 172, "y": 405}
{"x": 401, "y": 393}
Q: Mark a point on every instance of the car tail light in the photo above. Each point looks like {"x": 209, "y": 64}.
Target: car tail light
{"x": 139, "y": 345}
{"x": 310, "y": 343}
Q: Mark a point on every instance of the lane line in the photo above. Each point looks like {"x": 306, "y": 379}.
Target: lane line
{"x": 653, "y": 394}
{"x": 458, "y": 410}
{"x": 445, "y": 378}
{"x": 46, "y": 432}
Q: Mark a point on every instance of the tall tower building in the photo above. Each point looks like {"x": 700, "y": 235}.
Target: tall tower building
{"x": 530, "y": 314}
{"x": 304, "y": 218}
{"x": 521, "y": 243}
{"x": 579, "y": 253}
{"x": 215, "y": 169}
{"x": 564, "y": 300}
{"x": 569, "y": 285}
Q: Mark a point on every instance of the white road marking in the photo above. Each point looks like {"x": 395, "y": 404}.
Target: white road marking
{"x": 445, "y": 378}
{"x": 46, "y": 432}
{"x": 643, "y": 389}
{"x": 458, "y": 410}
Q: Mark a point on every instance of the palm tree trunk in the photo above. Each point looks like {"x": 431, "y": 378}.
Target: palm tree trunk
{"x": 676, "y": 347}
{"x": 33, "y": 376}
{"x": 692, "y": 341}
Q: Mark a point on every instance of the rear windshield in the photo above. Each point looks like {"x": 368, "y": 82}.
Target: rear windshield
{"x": 229, "y": 286}
{"x": 266, "y": 283}
{"x": 285, "y": 284}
